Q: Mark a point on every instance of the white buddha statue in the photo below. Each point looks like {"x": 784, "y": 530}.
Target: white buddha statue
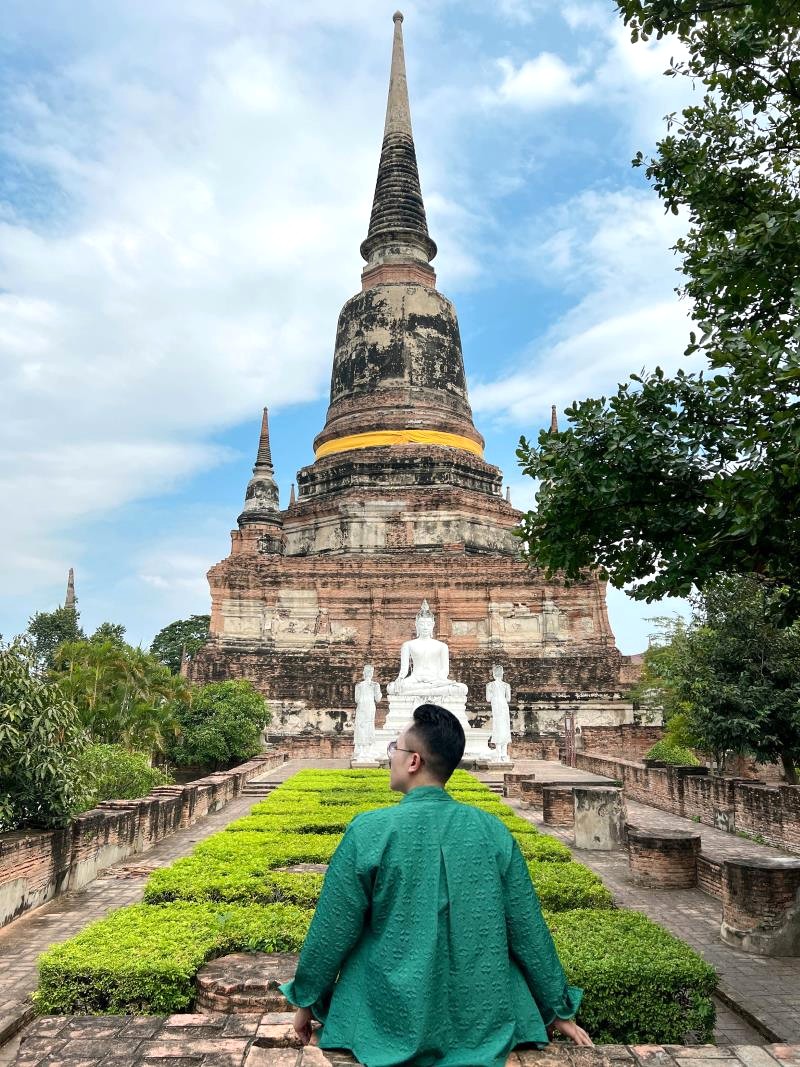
{"x": 368, "y": 693}
{"x": 429, "y": 660}
{"x": 498, "y": 694}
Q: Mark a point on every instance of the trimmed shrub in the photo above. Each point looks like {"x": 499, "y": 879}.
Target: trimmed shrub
{"x": 142, "y": 960}
{"x": 111, "y": 772}
{"x": 541, "y": 847}
{"x": 202, "y": 879}
{"x": 563, "y": 886}
{"x": 275, "y": 850}
{"x": 641, "y": 984}
{"x": 674, "y": 755}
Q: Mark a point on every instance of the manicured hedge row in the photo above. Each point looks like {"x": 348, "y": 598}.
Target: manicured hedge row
{"x": 641, "y": 984}
{"x": 201, "y": 879}
{"x": 563, "y": 886}
{"x": 142, "y": 960}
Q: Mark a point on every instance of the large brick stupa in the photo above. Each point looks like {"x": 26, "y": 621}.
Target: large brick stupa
{"x": 400, "y": 505}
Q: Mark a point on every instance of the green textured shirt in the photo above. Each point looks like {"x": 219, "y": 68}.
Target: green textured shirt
{"x": 428, "y": 944}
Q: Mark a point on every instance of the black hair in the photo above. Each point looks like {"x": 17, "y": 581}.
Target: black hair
{"x": 442, "y": 739}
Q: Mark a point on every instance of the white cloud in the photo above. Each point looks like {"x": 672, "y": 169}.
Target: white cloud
{"x": 612, "y": 251}
{"x": 541, "y": 83}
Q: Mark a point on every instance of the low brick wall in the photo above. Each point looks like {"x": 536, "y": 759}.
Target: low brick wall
{"x": 558, "y": 805}
{"x": 314, "y": 745}
{"x": 771, "y": 812}
{"x": 629, "y": 741}
{"x": 709, "y": 875}
{"x": 37, "y": 865}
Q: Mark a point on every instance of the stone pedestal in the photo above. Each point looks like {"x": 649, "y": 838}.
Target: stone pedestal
{"x": 663, "y": 859}
{"x": 452, "y": 697}
{"x": 761, "y": 906}
{"x": 364, "y": 764}
{"x": 245, "y": 982}
{"x": 401, "y": 705}
{"x": 558, "y": 805}
{"x": 599, "y": 818}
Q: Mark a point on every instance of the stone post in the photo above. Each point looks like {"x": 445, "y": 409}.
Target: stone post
{"x": 663, "y": 859}
{"x": 599, "y": 817}
{"x": 761, "y": 906}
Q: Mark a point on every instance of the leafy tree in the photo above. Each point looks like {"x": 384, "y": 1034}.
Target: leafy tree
{"x": 109, "y": 631}
{"x": 111, "y": 772}
{"x": 221, "y": 726}
{"x": 673, "y": 480}
{"x": 49, "y": 629}
{"x": 191, "y": 633}
{"x": 657, "y": 690}
{"x": 41, "y": 739}
{"x": 124, "y": 696}
{"x": 733, "y": 676}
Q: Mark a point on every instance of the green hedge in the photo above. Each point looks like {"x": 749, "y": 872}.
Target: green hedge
{"x": 142, "y": 960}
{"x": 202, "y": 879}
{"x": 641, "y": 984}
{"x": 563, "y": 886}
{"x": 543, "y": 848}
{"x": 675, "y": 755}
{"x": 275, "y": 850}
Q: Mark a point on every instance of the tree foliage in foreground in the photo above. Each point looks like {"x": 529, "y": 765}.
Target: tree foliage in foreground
{"x": 49, "y": 629}
{"x": 191, "y": 634}
{"x": 41, "y": 740}
{"x": 221, "y": 726}
{"x": 123, "y": 695}
{"x": 730, "y": 680}
{"x": 111, "y": 772}
{"x": 675, "y": 479}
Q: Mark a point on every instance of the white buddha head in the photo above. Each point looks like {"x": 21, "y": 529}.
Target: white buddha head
{"x": 369, "y": 670}
{"x": 497, "y": 672}
{"x": 425, "y": 621}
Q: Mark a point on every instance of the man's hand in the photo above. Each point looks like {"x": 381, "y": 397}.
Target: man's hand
{"x": 569, "y": 1028}
{"x": 302, "y": 1024}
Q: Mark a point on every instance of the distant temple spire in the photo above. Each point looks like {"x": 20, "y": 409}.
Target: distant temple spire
{"x": 398, "y": 229}
{"x": 292, "y": 498}
{"x": 264, "y": 457}
{"x": 261, "y": 496}
{"x": 71, "y": 599}
{"x": 508, "y": 494}
{"x": 553, "y": 419}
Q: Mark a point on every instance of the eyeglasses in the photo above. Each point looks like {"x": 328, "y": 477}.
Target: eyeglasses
{"x": 391, "y": 748}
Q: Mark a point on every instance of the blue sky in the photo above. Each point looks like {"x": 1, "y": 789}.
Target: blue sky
{"x": 183, "y": 191}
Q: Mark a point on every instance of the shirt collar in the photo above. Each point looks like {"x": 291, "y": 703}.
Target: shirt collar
{"x": 425, "y": 792}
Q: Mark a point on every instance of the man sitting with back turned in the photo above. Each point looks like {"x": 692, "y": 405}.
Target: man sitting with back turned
{"x": 428, "y": 944}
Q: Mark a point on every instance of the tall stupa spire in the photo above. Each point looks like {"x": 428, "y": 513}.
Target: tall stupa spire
{"x": 264, "y": 456}
{"x": 398, "y": 229}
{"x": 261, "y": 497}
{"x": 70, "y": 600}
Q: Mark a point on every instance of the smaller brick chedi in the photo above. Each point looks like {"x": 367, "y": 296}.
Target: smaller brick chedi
{"x": 400, "y": 505}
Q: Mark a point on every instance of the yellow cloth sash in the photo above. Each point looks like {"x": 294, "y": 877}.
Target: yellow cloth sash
{"x": 380, "y": 438}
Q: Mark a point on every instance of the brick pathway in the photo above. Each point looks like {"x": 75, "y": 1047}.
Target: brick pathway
{"x": 764, "y": 990}
{"x": 267, "y": 1041}
{"x": 22, "y": 941}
